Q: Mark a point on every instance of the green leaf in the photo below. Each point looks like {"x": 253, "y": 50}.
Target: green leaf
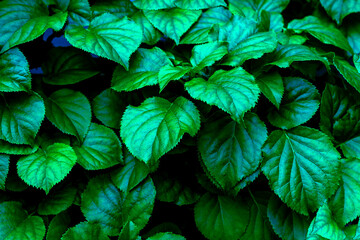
{"x": 166, "y": 236}
{"x": 24, "y": 21}
{"x": 107, "y": 36}
{"x": 21, "y": 117}
{"x": 320, "y": 30}
{"x": 285, "y": 222}
{"x": 173, "y": 22}
{"x": 4, "y": 169}
{"x": 45, "y": 168}
{"x": 221, "y": 217}
{"x": 16, "y": 224}
{"x": 131, "y": 174}
{"x": 79, "y": 11}
{"x": 14, "y": 72}
{"x": 129, "y": 232}
{"x": 338, "y": 9}
{"x": 325, "y": 226}
{"x": 199, "y": 32}
{"x": 17, "y": 149}
{"x": 285, "y": 55}
{"x": 344, "y": 203}
{"x": 68, "y": 66}
{"x": 272, "y": 86}
{"x": 353, "y": 36}
{"x": 233, "y": 91}
{"x": 200, "y": 4}
{"x": 249, "y": 8}
{"x": 150, "y": 34}
{"x": 299, "y": 104}
{"x": 270, "y": 21}
{"x": 207, "y": 54}
{"x": 143, "y": 70}
{"x": 58, "y": 200}
{"x": 298, "y": 161}
{"x": 69, "y": 111}
{"x": 169, "y": 73}
{"x": 357, "y": 62}
{"x": 58, "y": 226}
{"x": 235, "y": 152}
{"x": 157, "y": 125}
{"x": 85, "y": 231}
{"x": 350, "y": 73}
{"x": 252, "y": 47}
{"x": 119, "y": 8}
{"x": 100, "y": 149}
{"x": 154, "y": 4}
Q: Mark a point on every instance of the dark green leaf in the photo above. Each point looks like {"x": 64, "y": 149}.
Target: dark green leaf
{"x": 4, "y": 169}
{"x": 272, "y": 86}
{"x": 58, "y": 200}
{"x": 85, "y": 231}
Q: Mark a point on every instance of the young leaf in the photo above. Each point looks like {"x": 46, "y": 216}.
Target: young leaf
{"x": 173, "y": 22}
{"x": 299, "y": 104}
{"x": 233, "y": 91}
{"x": 58, "y": 226}
{"x": 4, "y": 169}
{"x": 344, "y": 203}
{"x": 100, "y": 149}
{"x": 199, "y": 32}
{"x": 150, "y": 34}
{"x": 57, "y": 200}
{"x": 199, "y": 4}
{"x": 296, "y": 162}
{"x": 15, "y": 223}
{"x": 85, "y": 231}
{"x": 272, "y": 86}
{"x": 154, "y": 4}
{"x": 320, "y": 30}
{"x": 45, "y": 168}
{"x": 324, "y": 226}
{"x": 207, "y": 54}
{"x": 235, "y": 152}
{"x": 21, "y": 118}
{"x": 107, "y": 36}
{"x": 285, "y": 222}
{"x": 166, "y": 236}
{"x": 221, "y": 217}
{"x": 338, "y": 9}
{"x": 157, "y": 125}
{"x": 169, "y": 73}
{"x": 143, "y": 70}
{"x": 23, "y": 21}
{"x": 14, "y": 72}
{"x": 68, "y": 66}
{"x": 351, "y": 75}
{"x": 69, "y": 111}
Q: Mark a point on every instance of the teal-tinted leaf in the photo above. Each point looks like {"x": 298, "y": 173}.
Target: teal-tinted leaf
{"x": 100, "y": 149}
{"x": 157, "y": 125}
{"x": 58, "y": 200}
{"x": 338, "y": 9}
{"x": 344, "y": 203}
{"x": 4, "y": 169}
{"x": 298, "y": 161}
{"x": 69, "y": 111}
{"x": 272, "y": 86}
{"x": 350, "y": 73}
{"x": 119, "y": 8}
{"x": 21, "y": 117}
{"x": 131, "y": 174}
{"x": 68, "y": 66}
{"x": 353, "y": 36}
{"x": 16, "y": 224}
{"x": 166, "y": 236}
{"x": 285, "y": 55}
{"x": 300, "y": 102}
{"x": 153, "y": 4}
{"x": 108, "y": 107}
{"x": 14, "y": 72}
{"x": 173, "y": 22}
{"x": 233, "y": 91}
{"x": 235, "y": 152}
{"x": 199, "y": 32}
{"x": 246, "y": 181}
{"x": 252, "y": 47}
{"x": 79, "y": 11}
{"x": 143, "y": 70}
{"x": 249, "y": 8}
{"x": 17, "y": 149}
{"x": 357, "y": 62}
{"x": 58, "y": 226}
{"x": 23, "y": 21}
{"x": 129, "y": 232}
{"x": 221, "y": 217}
{"x": 200, "y": 4}
{"x": 271, "y": 21}
{"x": 150, "y": 34}
{"x": 45, "y": 168}
{"x": 320, "y": 30}
{"x": 357, "y": 233}
{"x": 85, "y": 231}
{"x": 107, "y": 36}
{"x": 285, "y": 222}
{"x": 207, "y": 54}
{"x": 169, "y": 73}
{"x": 324, "y": 226}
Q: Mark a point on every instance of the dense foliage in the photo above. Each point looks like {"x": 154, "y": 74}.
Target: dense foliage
{"x": 179, "y": 119}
